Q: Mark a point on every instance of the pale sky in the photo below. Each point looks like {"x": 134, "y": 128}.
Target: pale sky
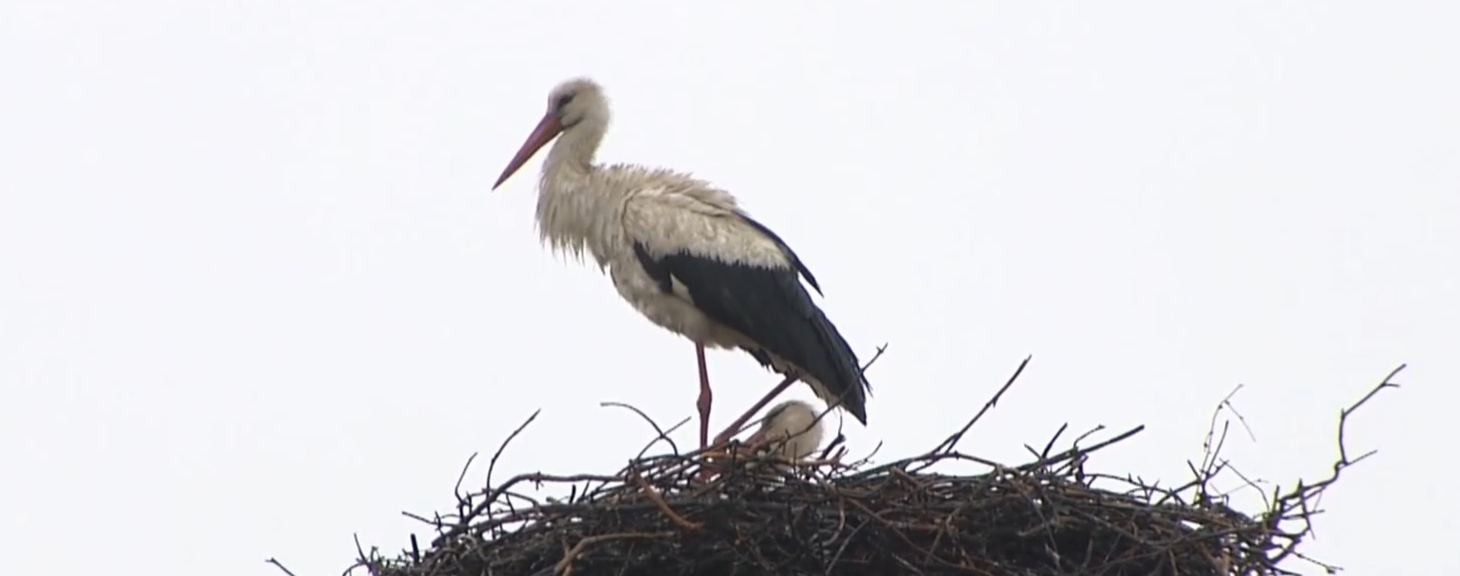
{"x": 255, "y": 295}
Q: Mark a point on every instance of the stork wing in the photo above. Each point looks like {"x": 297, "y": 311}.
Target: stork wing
{"x": 678, "y": 223}
{"x": 785, "y": 249}
{"x": 742, "y": 276}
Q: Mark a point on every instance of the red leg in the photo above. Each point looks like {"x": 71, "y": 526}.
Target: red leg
{"x": 740, "y": 422}
{"x": 705, "y": 396}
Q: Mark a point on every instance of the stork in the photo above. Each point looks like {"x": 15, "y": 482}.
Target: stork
{"x": 685, "y": 255}
{"x": 792, "y": 429}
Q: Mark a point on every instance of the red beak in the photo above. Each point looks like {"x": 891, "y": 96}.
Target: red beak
{"x": 547, "y": 129}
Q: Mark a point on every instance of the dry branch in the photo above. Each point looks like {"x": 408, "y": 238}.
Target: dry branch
{"x": 1049, "y": 516}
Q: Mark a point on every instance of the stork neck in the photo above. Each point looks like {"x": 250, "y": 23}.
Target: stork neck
{"x": 571, "y": 213}
{"x": 572, "y": 154}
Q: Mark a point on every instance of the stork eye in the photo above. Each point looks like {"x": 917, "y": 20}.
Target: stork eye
{"x": 562, "y": 102}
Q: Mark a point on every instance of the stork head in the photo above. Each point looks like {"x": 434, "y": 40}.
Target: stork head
{"x": 579, "y": 101}
{"x": 792, "y": 429}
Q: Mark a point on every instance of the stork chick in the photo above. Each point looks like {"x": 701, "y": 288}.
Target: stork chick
{"x": 684, "y": 254}
{"x": 792, "y": 430}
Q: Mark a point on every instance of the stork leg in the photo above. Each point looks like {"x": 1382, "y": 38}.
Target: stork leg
{"x": 705, "y": 396}
{"x": 724, "y": 437}
{"x": 756, "y": 408}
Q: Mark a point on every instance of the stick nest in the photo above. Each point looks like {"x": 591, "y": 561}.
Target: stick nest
{"x": 699, "y": 514}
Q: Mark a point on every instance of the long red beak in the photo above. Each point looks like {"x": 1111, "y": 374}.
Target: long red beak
{"x": 547, "y": 129}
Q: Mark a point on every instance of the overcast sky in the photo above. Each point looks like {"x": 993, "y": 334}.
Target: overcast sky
{"x": 255, "y": 294}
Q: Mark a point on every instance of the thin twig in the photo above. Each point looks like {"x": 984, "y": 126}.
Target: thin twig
{"x": 492, "y": 465}
{"x": 659, "y": 433}
{"x": 1304, "y": 492}
{"x": 279, "y": 565}
{"x": 952, "y": 442}
{"x": 461, "y": 477}
{"x": 1073, "y": 452}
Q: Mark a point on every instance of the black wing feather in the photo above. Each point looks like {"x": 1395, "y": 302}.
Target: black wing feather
{"x": 785, "y": 249}
{"x": 770, "y": 306}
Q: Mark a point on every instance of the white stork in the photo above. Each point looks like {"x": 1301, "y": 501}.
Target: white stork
{"x": 684, "y": 254}
{"x": 792, "y": 429}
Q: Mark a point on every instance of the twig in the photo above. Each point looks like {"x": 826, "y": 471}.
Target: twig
{"x": 1088, "y": 433}
{"x": 359, "y": 549}
{"x": 1346, "y": 412}
{"x": 279, "y": 565}
{"x": 1042, "y": 454}
{"x": 363, "y": 559}
{"x": 461, "y": 477}
{"x": 659, "y": 432}
{"x": 1247, "y": 483}
{"x": 1299, "y": 496}
{"x": 878, "y": 354}
{"x": 1073, "y": 452}
{"x": 421, "y": 519}
{"x": 492, "y": 465}
{"x": 952, "y": 442}
{"x": 1238, "y": 413}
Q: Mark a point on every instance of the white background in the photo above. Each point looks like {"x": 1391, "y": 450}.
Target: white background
{"x": 256, "y": 297}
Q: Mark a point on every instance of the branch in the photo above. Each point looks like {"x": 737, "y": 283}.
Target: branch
{"x": 952, "y": 442}
{"x": 1299, "y": 498}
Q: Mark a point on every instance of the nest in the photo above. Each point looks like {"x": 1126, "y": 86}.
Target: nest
{"x": 695, "y": 514}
